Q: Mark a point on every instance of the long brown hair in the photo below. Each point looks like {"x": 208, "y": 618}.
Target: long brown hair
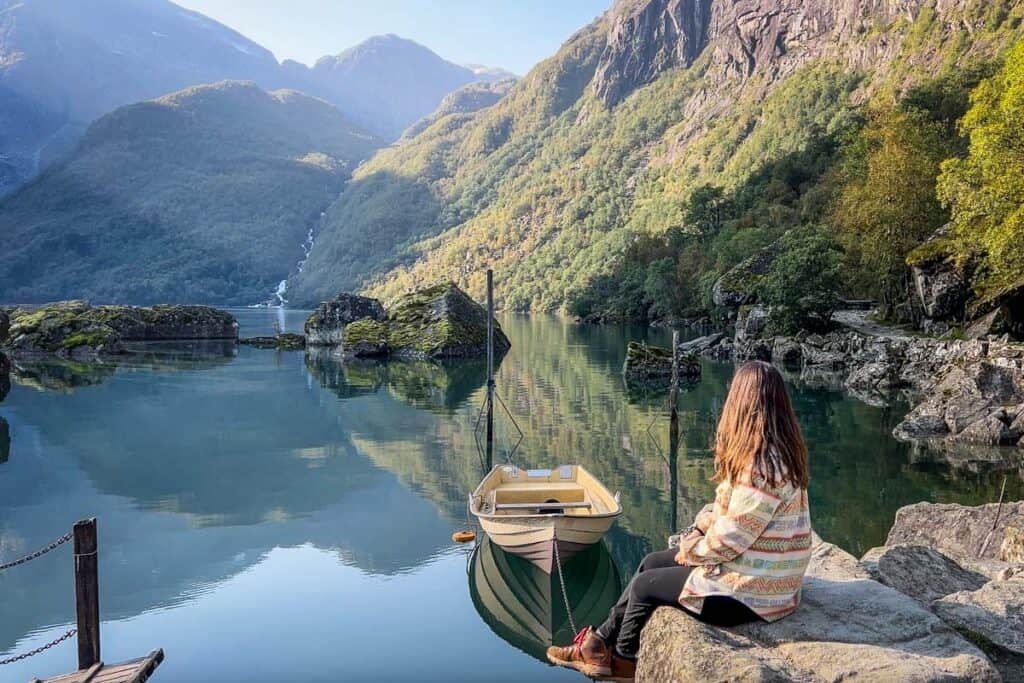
{"x": 758, "y": 430}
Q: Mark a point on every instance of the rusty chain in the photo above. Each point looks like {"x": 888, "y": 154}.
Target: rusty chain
{"x": 42, "y": 648}
{"x": 42, "y": 551}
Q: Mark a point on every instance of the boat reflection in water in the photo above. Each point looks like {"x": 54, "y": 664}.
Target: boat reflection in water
{"x": 524, "y": 605}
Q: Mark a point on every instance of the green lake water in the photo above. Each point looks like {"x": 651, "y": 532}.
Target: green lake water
{"x": 271, "y": 516}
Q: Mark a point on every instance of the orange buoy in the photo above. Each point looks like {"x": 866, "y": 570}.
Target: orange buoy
{"x": 463, "y": 536}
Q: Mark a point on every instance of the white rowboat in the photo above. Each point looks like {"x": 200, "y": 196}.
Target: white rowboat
{"x": 527, "y": 512}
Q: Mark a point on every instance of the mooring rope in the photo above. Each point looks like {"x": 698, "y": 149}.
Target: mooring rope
{"x": 565, "y": 593}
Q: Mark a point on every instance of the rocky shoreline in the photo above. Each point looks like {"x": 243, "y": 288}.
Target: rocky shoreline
{"x": 962, "y": 392}
{"x": 943, "y": 600}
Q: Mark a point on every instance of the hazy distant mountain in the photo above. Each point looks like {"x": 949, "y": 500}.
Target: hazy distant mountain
{"x": 386, "y": 83}
{"x": 205, "y": 195}
{"x": 491, "y": 73}
{"x": 65, "y": 62}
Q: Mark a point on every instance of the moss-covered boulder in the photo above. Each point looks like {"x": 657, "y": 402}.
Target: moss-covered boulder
{"x": 366, "y": 338}
{"x": 739, "y": 285}
{"x": 441, "y": 322}
{"x": 654, "y": 364}
{"x": 76, "y": 329}
{"x": 286, "y": 341}
{"x": 326, "y": 326}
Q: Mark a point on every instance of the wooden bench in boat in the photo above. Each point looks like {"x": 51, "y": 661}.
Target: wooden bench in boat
{"x": 542, "y": 505}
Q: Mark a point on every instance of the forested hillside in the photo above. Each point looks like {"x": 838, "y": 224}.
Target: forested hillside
{"x": 671, "y": 140}
{"x": 205, "y": 195}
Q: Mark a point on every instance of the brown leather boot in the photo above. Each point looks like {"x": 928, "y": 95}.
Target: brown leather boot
{"x": 623, "y": 670}
{"x": 588, "y": 654}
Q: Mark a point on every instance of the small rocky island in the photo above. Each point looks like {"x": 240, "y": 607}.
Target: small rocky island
{"x": 438, "y": 322}
{"x": 653, "y": 364}
{"x": 74, "y": 329}
{"x": 942, "y": 600}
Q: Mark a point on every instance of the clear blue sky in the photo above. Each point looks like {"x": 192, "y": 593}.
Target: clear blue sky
{"x": 513, "y": 34}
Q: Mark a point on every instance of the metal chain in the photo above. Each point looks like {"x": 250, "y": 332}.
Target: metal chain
{"x": 43, "y": 648}
{"x": 42, "y": 551}
{"x": 565, "y": 594}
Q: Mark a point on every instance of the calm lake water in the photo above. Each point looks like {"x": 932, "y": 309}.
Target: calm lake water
{"x": 269, "y": 516}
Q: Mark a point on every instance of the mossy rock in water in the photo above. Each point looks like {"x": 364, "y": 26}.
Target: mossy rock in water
{"x": 73, "y": 328}
{"x": 366, "y": 338}
{"x": 286, "y": 341}
{"x": 326, "y": 326}
{"x": 441, "y": 322}
{"x": 654, "y": 364}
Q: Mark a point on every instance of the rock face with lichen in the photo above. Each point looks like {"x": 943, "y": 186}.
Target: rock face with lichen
{"x": 326, "y": 326}
{"x": 76, "y": 329}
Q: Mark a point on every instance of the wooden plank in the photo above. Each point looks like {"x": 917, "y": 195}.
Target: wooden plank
{"x": 132, "y": 671}
{"x": 90, "y": 673}
{"x": 544, "y": 506}
{"x": 87, "y": 593}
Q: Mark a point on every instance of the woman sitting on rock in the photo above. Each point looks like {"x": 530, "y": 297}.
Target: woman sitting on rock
{"x": 742, "y": 561}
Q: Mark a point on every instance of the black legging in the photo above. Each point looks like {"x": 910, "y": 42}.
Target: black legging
{"x": 659, "y": 581}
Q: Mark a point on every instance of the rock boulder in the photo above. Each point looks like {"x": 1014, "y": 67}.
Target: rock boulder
{"x": 326, "y": 325}
{"x": 848, "y": 627}
{"x": 738, "y": 286}
{"x": 921, "y": 572}
{"x": 441, "y": 322}
{"x": 992, "y": 617}
{"x": 957, "y": 531}
{"x": 653, "y": 363}
{"x": 74, "y": 328}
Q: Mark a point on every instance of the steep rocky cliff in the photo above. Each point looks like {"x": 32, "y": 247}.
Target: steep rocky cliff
{"x": 607, "y": 139}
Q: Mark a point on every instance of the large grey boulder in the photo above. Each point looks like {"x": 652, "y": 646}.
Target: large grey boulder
{"x": 739, "y": 284}
{"x": 921, "y": 572}
{"x": 326, "y": 325}
{"x": 958, "y": 531}
{"x": 848, "y": 628}
{"x": 441, "y": 321}
{"x": 993, "y": 617}
{"x": 941, "y": 288}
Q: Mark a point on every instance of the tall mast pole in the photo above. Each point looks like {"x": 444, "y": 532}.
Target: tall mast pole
{"x": 490, "y": 368}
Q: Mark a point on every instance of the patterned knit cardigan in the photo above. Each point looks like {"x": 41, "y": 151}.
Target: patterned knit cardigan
{"x": 756, "y": 550}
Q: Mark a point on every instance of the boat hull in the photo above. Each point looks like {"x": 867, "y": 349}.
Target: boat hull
{"x": 535, "y": 539}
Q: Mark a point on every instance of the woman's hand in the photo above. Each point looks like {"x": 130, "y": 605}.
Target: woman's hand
{"x": 705, "y": 518}
{"x": 684, "y": 545}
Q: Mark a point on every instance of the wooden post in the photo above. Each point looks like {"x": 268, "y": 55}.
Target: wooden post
{"x": 673, "y": 431}
{"x": 490, "y": 368}
{"x": 87, "y": 593}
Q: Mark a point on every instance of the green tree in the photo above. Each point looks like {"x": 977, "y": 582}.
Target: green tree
{"x": 887, "y": 205}
{"x": 803, "y": 282}
{"x": 705, "y": 211}
{"x": 985, "y": 190}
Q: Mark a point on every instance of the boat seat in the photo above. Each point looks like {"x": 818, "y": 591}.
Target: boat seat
{"x": 547, "y": 492}
{"x": 545, "y": 505}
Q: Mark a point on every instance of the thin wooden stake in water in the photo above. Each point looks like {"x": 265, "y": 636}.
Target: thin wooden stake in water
{"x": 490, "y": 368}
{"x": 995, "y": 523}
{"x": 673, "y": 429}
{"x": 87, "y": 593}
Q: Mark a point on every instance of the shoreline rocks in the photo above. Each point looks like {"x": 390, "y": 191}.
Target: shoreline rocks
{"x": 436, "y": 322}
{"x": 962, "y": 392}
{"x": 910, "y": 610}
{"x": 74, "y": 329}
{"x": 848, "y": 627}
